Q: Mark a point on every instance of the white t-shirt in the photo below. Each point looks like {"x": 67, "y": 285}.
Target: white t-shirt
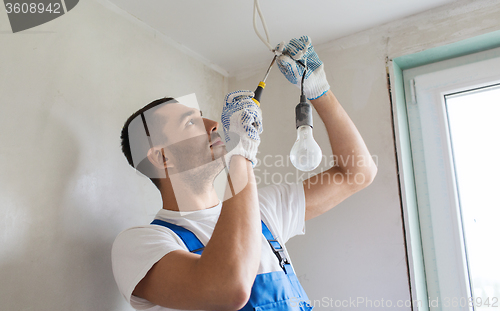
{"x": 137, "y": 249}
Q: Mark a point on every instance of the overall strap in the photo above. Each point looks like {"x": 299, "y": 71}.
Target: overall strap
{"x": 194, "y": 245}
{"x": 192, "y": 242}
{"x": 277, "y": 249}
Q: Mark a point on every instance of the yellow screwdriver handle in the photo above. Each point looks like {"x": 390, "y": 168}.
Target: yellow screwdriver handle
{"x": 258, "y": 92}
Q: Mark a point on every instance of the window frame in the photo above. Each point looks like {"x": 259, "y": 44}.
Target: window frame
{"x": 423, "y": 276}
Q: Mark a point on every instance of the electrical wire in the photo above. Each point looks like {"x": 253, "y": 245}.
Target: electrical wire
{"x": 303, "y": 75}
{"x": 256, "y": 8}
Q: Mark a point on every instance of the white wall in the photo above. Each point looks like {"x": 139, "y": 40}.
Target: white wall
{"x": 66, "y": 191}
{"x": 357, "y": 249}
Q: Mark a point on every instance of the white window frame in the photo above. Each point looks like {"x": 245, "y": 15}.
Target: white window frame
{"x": 440, "y": 227}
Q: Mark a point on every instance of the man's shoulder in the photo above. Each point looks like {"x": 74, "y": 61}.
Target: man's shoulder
{"x": 141, "y": 234}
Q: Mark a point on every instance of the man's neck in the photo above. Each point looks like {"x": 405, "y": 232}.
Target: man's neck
{"x": 177, "y": 196}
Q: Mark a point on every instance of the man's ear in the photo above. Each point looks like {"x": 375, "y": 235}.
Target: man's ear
{"x": 159, "y": 158}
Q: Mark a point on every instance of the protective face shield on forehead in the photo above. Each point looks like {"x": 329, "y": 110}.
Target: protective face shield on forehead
{"x": 144, "y": 134}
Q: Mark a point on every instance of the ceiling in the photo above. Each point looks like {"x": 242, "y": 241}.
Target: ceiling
{"x": 221, "y": 31}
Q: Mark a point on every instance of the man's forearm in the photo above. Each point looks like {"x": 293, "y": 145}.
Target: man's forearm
{"x": 232, "y": 255}
{"x": 346, "y": 142}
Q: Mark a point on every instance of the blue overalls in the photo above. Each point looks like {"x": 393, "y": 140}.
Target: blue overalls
{"x": 278, "y": 290}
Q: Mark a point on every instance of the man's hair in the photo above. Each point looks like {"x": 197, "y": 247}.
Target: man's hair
{"x": 125, "y": 142}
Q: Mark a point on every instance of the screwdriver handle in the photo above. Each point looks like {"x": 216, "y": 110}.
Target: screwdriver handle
{"x": 258, "y": 92}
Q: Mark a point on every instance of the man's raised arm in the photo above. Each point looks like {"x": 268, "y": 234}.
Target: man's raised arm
{"x": 355, "y": 168}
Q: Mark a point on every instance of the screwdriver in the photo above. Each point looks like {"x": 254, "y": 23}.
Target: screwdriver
{"x": 262, "y": 84}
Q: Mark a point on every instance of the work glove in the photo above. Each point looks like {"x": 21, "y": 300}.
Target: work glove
{"x": 242, "y": 124}
{"x": 301, "y": 49}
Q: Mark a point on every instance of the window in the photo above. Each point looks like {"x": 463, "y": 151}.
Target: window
{"x": 448, "y": 142}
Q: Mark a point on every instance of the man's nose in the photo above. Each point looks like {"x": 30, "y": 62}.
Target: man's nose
{"x": 210, "y": 125}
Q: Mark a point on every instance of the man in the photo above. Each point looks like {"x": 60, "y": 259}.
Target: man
{"x": 238, "y": 260}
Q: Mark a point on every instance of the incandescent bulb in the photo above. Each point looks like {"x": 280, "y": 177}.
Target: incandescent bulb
{"x": 306, "y": 153}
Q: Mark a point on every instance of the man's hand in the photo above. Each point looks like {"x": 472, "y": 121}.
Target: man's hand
{"x": 242, "y": 123}
{"x": 301, "y": 50}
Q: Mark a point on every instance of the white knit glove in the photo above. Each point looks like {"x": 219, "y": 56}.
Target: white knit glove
{"x": 315, "y": 84}
{"x": 242, "y": 123}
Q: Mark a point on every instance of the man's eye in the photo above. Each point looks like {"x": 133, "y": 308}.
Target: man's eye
{"x": 190, "y": 122}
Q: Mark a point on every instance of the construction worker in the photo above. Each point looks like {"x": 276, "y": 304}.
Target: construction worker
{"x": 201, "y": 253}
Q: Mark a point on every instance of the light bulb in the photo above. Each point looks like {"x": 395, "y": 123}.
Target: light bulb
{"x": 306, "y": 153}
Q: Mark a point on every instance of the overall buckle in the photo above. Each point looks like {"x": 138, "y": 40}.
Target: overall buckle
{"x": 280, "y": 253}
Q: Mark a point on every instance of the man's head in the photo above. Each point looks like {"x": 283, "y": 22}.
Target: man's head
{"x": 167, "y": 137}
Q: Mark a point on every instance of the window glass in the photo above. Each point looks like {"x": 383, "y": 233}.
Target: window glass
{"x": 474, "y": 122}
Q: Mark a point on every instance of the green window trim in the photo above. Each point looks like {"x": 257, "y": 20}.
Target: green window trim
{"x": 395, "y": 67}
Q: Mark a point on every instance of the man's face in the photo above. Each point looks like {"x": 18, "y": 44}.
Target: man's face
{"x": 191, "y": 140}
